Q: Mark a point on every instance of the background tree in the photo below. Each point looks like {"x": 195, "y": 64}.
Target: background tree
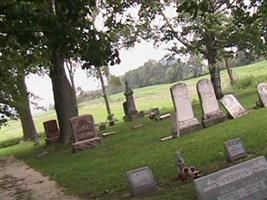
{"x": 190, "y": 26}
{"x": 15, "y": 66}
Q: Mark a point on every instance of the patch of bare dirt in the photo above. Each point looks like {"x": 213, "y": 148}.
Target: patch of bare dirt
{"x": 20, "y": 182}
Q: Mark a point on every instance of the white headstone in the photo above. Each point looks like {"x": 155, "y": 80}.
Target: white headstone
{"x": 262, "y": 91}
{"x": 234, "y": 108}
{"x": 182, "y": 102}
{"x": 208, "y": 99}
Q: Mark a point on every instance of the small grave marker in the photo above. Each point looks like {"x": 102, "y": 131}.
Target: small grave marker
{"x": 245, "y": 181}
{"x": 141, "y": 181}
{"x": 233, "y": 107}
{"x": 138, "y": 126}
{"x": 51, "y": 131}
{"x": 165, "y": 116}
{"x": 235, "y": 149}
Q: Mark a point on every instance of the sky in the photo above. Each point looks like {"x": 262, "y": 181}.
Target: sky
{"x": 130, "y": 59}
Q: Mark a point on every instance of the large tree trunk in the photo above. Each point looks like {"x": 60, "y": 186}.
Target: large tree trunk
{"x": 216, "y": 81}
{"x": 22, "y": 105}
{"x": 64, "y": 98}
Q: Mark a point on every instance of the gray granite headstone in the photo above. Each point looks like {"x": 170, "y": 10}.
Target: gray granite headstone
{"x": 141, "y": 181}
{"x": 235, "y": 149}
{"x": 185, "y": 120}
{"x": 245, "y": 181}
{"x": 233, "y": 107}
{"x": 212, "y": 113}
{"x": 262, "y": 91}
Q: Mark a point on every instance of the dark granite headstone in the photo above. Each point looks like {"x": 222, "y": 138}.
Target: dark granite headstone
{"x": 141, "y": 181}
{"x": 235, "y": 149}
{"x": 51, "y": 131}
{"x": 245, "y": 181}
{"x": 84, "y": 132}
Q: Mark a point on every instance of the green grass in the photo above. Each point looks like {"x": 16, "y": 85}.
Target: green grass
{"x": 101, "y": 172}
{"x": 145, "y": 98}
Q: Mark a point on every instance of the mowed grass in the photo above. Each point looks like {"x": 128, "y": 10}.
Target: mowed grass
{"x": 145, "y": 98}
{"x": 100, "y": 173}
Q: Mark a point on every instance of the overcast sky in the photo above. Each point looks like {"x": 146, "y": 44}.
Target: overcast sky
{"x": 130, "y": 59}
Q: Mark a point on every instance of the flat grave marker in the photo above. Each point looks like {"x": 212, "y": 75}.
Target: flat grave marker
{"x": 245, "y": 181}
{"x": 235, "y": 149}
{"x": 141, "y": 181}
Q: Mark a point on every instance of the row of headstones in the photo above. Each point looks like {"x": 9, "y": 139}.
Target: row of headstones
{"x": 244, "y": 181}
{"x": 185, "y": 120}
{"x": 83, "y": 130}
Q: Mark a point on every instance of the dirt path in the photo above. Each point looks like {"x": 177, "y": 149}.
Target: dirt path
{"x": 20, "y": 182}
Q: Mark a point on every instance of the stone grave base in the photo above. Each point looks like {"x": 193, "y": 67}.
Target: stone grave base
{"x": 85, "y": 144}
{"x": 52, "y": 140}
{"x": 187, "y": 130}
{"x": 214, "y": 120}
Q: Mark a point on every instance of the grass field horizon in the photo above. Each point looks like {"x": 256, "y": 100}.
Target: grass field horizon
{"x": 145, "y": 99}
{"x": 101, "y": 173}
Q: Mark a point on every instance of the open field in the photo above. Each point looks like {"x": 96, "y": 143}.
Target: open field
{"x": 100, "y": 173}
{"x": 145, "y": 98}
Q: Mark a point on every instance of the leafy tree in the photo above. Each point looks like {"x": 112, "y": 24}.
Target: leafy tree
{"x": 190, "y": 26}
{"x": 63, "y": 30}
{"x": 249, "y": 33}
{"x": 15, "y": 66}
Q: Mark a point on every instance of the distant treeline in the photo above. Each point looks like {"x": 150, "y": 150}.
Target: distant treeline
{"x": 164, "y": 71}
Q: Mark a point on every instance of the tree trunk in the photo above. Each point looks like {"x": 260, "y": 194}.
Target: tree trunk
{"x": 104, "y": 91}
{"x": 22, "y": 105}
{"x": 71, "y": 75}
{"x": 64, "y": 98}
{"x": 216, "y": 80}
{"x": 229, "y": 71}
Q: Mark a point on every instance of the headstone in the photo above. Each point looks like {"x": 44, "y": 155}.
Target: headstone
{"x": 212, "y": 113}
{"x": 141, "y": 181}
{"x": 233, "y": 107}
{"x": 84, "y": 132}
{"x": 245, "y": 181}
{"x": 235, "y": 149}
{"x": 185, "y": 120}
{"x": 51, "y": 131}
{"x": 262, "y": 92}
{"x": 129, "y": 106}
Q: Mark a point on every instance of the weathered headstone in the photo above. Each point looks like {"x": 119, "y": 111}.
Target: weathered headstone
{"x": 129, "y": 106}
{"x": 141, "y": 181}
{"x": 262, "y": 92}
{"x": 212, "y": 113}
{"x": 235, "y": 149}
{"x": 185, "y": 120}
{"x": 245, "y": 181}
{"x": 84, "y": 132}
{"x": 51, "y": 131}
{"x": 233, "y": 107}
{"x": 136, "y": 126}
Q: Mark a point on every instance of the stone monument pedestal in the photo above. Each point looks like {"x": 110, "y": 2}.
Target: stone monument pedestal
{"x": 213, "y": 119}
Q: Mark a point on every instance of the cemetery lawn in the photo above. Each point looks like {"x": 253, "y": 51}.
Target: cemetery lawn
{"x": 101, "y": 172}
